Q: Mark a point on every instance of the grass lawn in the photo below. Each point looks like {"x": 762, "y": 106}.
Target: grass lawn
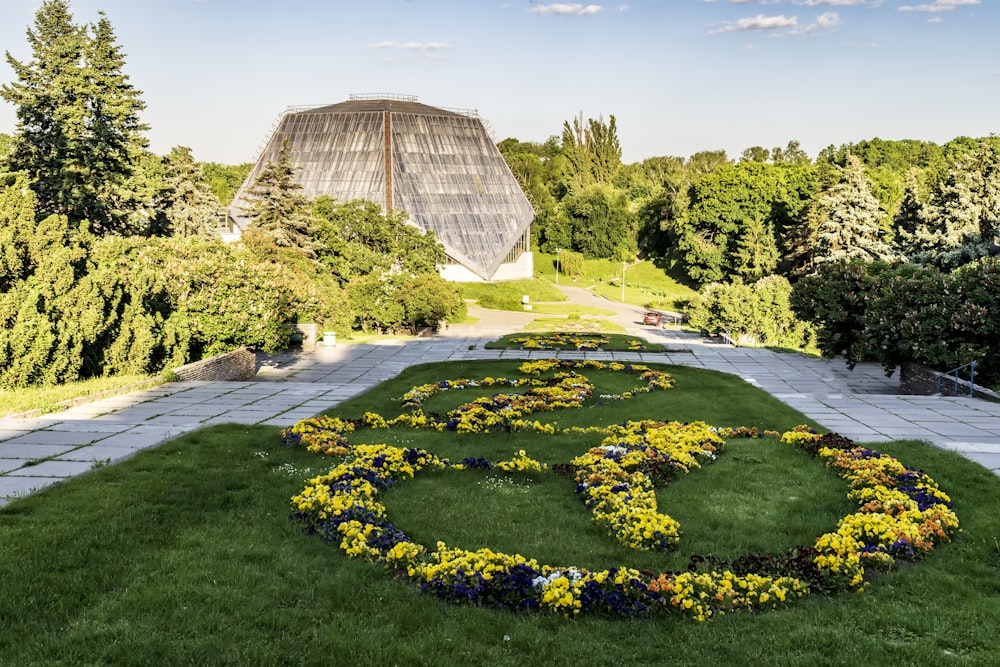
{"x": 646, "y": 284}
{"x": 51, "y": 399}
{"x": 508, "y": 295}
{"x": 184, "y": 554}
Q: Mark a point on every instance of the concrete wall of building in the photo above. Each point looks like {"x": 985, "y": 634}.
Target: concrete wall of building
{"x": 523, "y": 268}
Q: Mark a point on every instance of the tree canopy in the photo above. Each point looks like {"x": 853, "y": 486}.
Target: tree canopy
{"x": 78, "y": 134}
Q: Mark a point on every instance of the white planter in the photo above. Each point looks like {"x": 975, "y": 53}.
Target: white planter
{"x": 329, "y": 339}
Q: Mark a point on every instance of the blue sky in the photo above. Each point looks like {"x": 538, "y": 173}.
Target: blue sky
{"x": 680, "y": 76}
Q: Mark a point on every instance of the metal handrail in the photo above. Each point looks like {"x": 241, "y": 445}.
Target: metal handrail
{"x": 972, "y": 378}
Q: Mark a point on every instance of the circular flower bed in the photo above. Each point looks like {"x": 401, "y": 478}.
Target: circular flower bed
{"x": 901, "y": 512}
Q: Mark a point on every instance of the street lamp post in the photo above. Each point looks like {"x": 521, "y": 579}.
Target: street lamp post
{"x": 558, "y": 266}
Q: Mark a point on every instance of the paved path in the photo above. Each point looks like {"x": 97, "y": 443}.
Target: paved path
{"x": 860, "y": 404}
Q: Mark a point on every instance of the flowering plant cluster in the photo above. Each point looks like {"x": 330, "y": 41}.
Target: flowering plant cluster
{"x": 319, "y": 435}
{"x": 556, "y": 341}
{"x": 621, "y": 496}
{"x": 902, "y": 514}
{"x": 506, "y": 411}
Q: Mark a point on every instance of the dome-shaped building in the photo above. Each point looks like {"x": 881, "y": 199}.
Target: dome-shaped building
{"x": 439, "y": 166}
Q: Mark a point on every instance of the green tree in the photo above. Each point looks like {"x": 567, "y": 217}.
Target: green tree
{"x": 592, "y": 151}
{"x": 278, "y": 207}
{"x": 356, "y": 238}
{"x": 964, "y": 214}
{"x": 756, "y": 251}
{"x": 571, "y": 263}
{"x": 853, "y": 228}
{"x": 755, "y": 154}
{"x": 599, "y": 224}
{"x": 760, "y": 312}
{"x": 376, "y": 300}
{"x": 78, "y": 132}
{"x": 225, "y": 180}
{"x": 429, "y": 299}
{"x": 189, "y": 206}
{"x": 733, "y": 201}
{"x": 792, "y": 153}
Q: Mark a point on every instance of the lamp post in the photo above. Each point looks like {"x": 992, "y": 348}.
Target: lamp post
{"x": 558, "y": 250}
{"x": 624, "y": 264}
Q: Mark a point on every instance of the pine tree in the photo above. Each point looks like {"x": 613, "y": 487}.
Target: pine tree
{"x": 78, "y": 132}
{"x": 278, "y": 207}
{"x": 853, "y": 227}
{"x": 756, "y": 250}
{"x": 189, "y": 205}
{"x": 964, "y": 216}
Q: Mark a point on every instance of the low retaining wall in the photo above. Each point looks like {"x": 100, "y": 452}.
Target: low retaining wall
{"x": 918, "y": 380}
{"x": 237, "y": 365}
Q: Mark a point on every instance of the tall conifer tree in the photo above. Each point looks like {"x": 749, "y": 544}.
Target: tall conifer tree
{"x": 78, "y": 132}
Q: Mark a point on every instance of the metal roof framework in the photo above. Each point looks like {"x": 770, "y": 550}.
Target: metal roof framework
{"x": 440, "y": 166}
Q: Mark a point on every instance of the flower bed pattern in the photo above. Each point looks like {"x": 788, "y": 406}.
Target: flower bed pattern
{"x": 901, "y": 516}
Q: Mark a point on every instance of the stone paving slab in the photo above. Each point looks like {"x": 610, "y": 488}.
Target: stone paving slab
{"x": 12, "y": 486}
{"x": 55, "y": 468}
{"x": 87, "y": 426}
{"x": 137, "y": 439}
{"x": 100, "y": 452}
{"x": 8, "y": 434}
{"x": 7, "y": 465}
{"x": 32, "y": 451}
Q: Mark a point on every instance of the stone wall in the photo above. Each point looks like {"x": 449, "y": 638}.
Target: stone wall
{"x": 237, "y": 365}
{"x": 919, "y": 380}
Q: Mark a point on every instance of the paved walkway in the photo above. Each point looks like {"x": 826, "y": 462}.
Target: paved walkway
{"x": 861, "y": 404}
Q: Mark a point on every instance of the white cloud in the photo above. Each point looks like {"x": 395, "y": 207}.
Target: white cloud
{"x": 939, "y": 6}
{"x": 424, "y": 46}
{"x": 779, "y": 25}
{"x": 838, "y": 3}
{"x": 758, "y": 23}
{"x": 411, "y": 46}
{"x": 567, "y": 9}
{"x": 822, "y": 22}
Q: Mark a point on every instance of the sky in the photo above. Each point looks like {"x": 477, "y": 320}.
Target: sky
{"x": 679, "y": 76}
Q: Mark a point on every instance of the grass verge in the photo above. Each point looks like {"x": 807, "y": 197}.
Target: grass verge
{"x": 53, "y": 399}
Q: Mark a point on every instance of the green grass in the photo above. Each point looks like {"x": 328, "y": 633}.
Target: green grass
{"x": 570, "y": 309}
{"x": 184, "y": 554}
{"x": 52, "y": 399}
{"x": 508, "y": 295}
{"x": 646, "y": 284}
{"x": 616, "y": 342}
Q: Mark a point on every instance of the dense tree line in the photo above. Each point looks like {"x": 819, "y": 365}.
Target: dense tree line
{"x": 83, "y": 197}
{"x": 111, "y": 259}
{"x": 762, "y": 233}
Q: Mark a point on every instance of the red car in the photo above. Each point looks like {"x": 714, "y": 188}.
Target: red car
{"x": 652, "y": 318}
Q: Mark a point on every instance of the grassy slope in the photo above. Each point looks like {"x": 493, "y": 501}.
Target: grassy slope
{"x": 184, "y": 554}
